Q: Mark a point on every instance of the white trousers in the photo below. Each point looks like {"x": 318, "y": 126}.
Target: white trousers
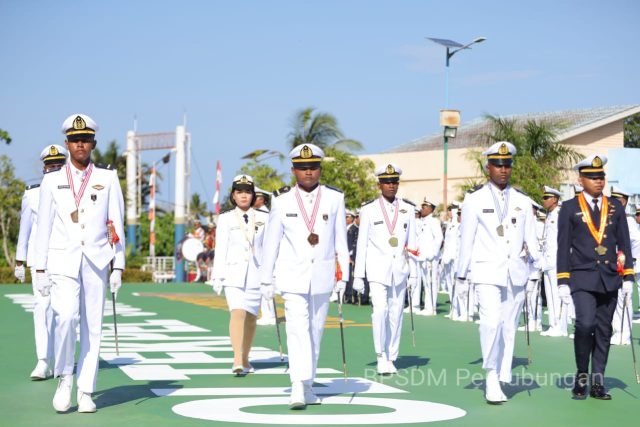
{"x": 42, "y": 323}
{"x": 305, "y": 316}
{"x": 553, "y": 298}
{"x": 386, "y": 318}
{"x": 533, "y": 304}
{"x": 500, "y": 308}
{"x": 266, "y": 309}
{"x": 448, "y": 276}
{"x": 79, "y": 299}
{"x": 619, "y": 327}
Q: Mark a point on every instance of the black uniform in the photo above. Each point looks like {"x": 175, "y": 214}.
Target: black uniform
{"x": 593, "y": 279}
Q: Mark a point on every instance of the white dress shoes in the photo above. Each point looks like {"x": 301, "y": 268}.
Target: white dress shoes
{"x": 41, "y": 371}
{"x": 62, "y": 398}
{"x": 296, "y": 400}
{"x": 85, "y": 402}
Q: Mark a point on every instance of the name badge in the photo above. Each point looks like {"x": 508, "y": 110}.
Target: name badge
{"x": 377, "y": 223}
{"x": 61, "y": 187}
{"x": 487, "y": 210}
{"x": 292, "y": 214}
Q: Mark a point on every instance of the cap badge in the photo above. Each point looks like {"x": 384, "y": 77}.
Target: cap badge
{"x": 597, "y": 162}
{"x": 503, "y": 149}
{"x": 53, "y": 151}
{"x": 390, "y": 169}
{"x": 79, "y": 123}
{"x": 244, "y": 180}
{"x": 306, "y": 152}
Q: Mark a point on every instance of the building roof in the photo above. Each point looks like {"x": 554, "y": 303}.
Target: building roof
{"x": 573, "y": 122}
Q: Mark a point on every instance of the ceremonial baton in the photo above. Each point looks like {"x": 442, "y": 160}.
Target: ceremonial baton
{"x": 413, "y": 331}
{"x": 113, "y": 238}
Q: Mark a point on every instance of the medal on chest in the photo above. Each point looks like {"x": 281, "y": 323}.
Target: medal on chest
{"x": 391, "y": 225}
{"x": 313, "y": 237}
{"x": 78, "y": 196}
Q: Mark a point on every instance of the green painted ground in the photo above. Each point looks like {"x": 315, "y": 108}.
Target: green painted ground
{"x": 440, "y": 369}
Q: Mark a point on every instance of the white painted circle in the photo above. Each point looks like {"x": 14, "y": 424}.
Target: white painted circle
{"x": 404, "y": 411}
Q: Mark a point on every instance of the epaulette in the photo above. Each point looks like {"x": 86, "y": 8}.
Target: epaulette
{"x": 333, "y": 188}
{"x": 409, "y": 201}
{"x": 474, "y": 189}
{"x": 227, "y": 210}
{"x": 370, "y": 201}
{"x": 30, "y": 187}
{"x": 53, "y": 169}
{"x": 104, "y": 166}
{"x": 262, "y": 210}
{"x": 281, "y": 191}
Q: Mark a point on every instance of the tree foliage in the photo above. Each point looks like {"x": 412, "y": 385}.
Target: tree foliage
{"x": 353, "y": 176}
{"x": 11, "y": 190}
{"x": 321, "y": 129}
{"x": 540, "y": 159}
{"x": 632, "y": 131}
{"x": 198, "y": 207}
{"x": 4, "y": 136}
{"x": 164, "y": 234}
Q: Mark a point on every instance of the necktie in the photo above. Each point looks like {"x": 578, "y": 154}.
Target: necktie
{"x": 596, "y": 212}
{"x": 246, "y": 218}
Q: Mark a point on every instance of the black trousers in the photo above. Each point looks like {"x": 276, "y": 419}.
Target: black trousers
{"x": 594, "y": 313}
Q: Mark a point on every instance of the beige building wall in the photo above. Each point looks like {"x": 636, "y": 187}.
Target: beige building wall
{"x": 422, "y": 171}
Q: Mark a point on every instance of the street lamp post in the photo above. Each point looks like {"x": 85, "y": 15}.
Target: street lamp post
{"x": 452, "y": 47}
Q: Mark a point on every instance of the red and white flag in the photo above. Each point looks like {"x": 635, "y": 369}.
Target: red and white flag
{"x": 216, "y": 197}
{"x": 152, "y": 212}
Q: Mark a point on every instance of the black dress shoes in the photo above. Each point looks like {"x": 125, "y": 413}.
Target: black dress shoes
{"x": 579, "y": 389}
{"x": 599, "y": 392}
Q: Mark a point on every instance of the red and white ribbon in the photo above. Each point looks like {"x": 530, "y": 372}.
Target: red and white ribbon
{"x": 310, "y": 222}
{"x": 85, "y": 181}
{"x": 390, "y": 226}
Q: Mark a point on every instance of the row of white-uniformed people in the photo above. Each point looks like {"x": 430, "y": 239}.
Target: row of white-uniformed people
{"x": 72, "y": 237}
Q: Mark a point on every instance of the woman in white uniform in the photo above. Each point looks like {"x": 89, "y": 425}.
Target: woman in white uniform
{"x": 235, "y": 267}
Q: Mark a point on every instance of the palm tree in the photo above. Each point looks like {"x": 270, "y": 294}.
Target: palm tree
{"x": 321, "y": 129}
{"x": 197, "y": 207}
{"x": 540, "y": 159}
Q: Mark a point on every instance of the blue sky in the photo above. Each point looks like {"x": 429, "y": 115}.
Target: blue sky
{"x": 241, "y": 69}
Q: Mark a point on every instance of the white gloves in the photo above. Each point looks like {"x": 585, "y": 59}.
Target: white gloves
{"x": 412, "y": 282}
{"x": 565, "y": 294}
{"x": 115, "y": 281}
{"x": 43, "y": 285}
{"x": 358, "y": 284}
{"x": 267, "y": 291}
{"x": 217, "y": 286}
{"x": 19, "y": 273}
{"x": 627, "y": 288}
{"x": 341, "y": 285}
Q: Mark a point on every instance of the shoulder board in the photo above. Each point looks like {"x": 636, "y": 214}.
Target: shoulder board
{"x": 474, "y": 189}
{"x": 520, "y": 191}
{"x": 53, "y": 169}
{"x": 409, "y": 201}
{"x": 262, "y": 210}
{"x": 31, "y": 187}
{"x": 281, "y": 191}
{"x": 104, "y": 166}
{"x": 370, "y": 201}
{"x": 227, "y": 210}
{"x": 333, "y": 188}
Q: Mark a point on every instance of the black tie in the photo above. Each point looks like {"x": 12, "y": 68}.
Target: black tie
{"x": 596, "y": 212}
{"x": 246, "y": 218}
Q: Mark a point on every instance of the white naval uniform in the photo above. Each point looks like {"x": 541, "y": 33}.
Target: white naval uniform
{"x": 267, "y": 310}
{"x": 429, "y": 243}
{"x": 498, "y": 269}
{"x": 554, "y": 304}
{"x": 238, "y": 255}
{"x": 305, "y": 274}
{"x": 460, "y": 305}
{"x": 386, "y": 267}
{"x": 621, "y": 333}
{"x": 77, "y": 257}
{"x": 25, "y": 251}
{"x": 532, "y": 298}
